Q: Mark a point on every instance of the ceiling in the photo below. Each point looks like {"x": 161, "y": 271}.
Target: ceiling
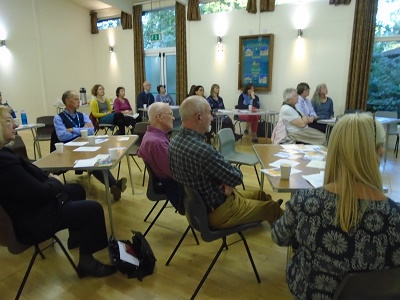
{"x": 124, "y": 5}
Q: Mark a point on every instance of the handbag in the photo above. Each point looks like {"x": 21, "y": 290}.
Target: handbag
{"x": 139, "y": 252}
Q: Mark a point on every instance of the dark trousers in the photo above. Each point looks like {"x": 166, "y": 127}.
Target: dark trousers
{"x": 121, "y": 121}
{"x": 100, "y": 177}
{"x": 172, "y": 191}
{"x": 84, "y": 220}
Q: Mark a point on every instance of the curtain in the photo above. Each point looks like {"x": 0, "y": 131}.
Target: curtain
{"x": 193, "y": 12}
{"x": 181, "y": 54}
{"x": 361, "y": 54}
{"x": 138, "y": 49}
{"x": 126, "y": 21}
{"x": 339, "y": 2}
{"x": 93, "y": 23}
{"x": 267, "y": 5}
{"x": 251, "y": 6}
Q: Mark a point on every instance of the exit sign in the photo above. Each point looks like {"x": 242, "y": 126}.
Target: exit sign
{"x": 155, "y": 37}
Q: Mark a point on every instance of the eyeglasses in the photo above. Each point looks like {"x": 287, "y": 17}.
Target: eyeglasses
{"x": 171, "y": 114}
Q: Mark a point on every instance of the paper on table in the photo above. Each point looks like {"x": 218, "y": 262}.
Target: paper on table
{"x": 75, "y": 144}
{"x": 90, "y": 162}
{"x": 125, "y": 256}
{"x": 125, "y": 138}
{"x": 287, "y": 155}
{"x": 277, "y": 164}
{"x": 102, "y": 136}
{"x": 86, "y": 149}
{"x": 277, "y": 171}
{"x": 329, "y": 120}
{"x": 319, "y": 164}
{"x": 316, "y": 180}
{"x": 99, "y": 141}
{"x": 243, "y": 111}
{"x": 223, "y": 110}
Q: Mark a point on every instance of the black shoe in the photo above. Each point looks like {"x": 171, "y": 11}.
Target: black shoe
{"x": 98, "y": 270}
{"x": 255, "y": 140}
{"x": 280, "y": 201}
{"x": 238, "y": 137}
{"x": 117, "y": 189}
{"x": 72, "y": 243}
{"x": 246, "y": 132}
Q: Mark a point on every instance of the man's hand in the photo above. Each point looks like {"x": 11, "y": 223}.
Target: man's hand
{"x": 310, "y": 119}
{"x": 228, "y": 190}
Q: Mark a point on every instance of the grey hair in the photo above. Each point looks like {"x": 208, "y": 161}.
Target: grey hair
{"x": 66, "y": 95}
{"x": 287, "y": 94}
{"x": 191, "y": 106}
{"x": 155, "y": 109}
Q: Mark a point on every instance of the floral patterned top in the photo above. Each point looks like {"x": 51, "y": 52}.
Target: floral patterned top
{"x": 326, "y": 253}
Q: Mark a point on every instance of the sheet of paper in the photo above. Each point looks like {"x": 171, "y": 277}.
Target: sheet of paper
{"x": 99, "y": 141}
{"x": 313, "y": 156}
{"x": 223, "y": 111}
{"x": 75, "y": 144}
{"x": 125, "y": 256}
{"x": 243, "y": 111}
{"x": 316, "y": 180}
{"x": 277, "y": 164}
{"x": 329, "y": 120}
{"x": 277, "y": 171}
{"x": 123, "y": 138}
{"x": 287, "y": 155}
{"x": 86, "y": 149}
{"x": 319, "y": 164}
{"x": 102, "y": 136}
{"x": 90, "y": 162}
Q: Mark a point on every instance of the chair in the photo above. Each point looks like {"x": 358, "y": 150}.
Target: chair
{"x": 237, "y": 120}
{"x": 380, "y": 284}
{"x": 19, "y": 148}
{"x": 97, "y": 126}
{"x": 8, "y": 239}
{"x": 178, "y": 121}
{"x": 228, "y": 151}
{"x": 197, "y": 215}
{"x": 393, "y": 127}
{"x": 43, "y": 133}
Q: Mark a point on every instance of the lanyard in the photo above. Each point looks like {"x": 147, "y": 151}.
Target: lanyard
{"x": 72, "y": 121}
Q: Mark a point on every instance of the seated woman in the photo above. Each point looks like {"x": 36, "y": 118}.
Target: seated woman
{"x": 347, "y": 225}
{"x": 245, "y": 99}
{"x": 163, "y": 96}
{"x": 323, "y": 105}
{"x": 296, "y": 123}
{"x": 40, "y": 205}
{"x": 100, "y": 108}
{"x": 122, "y": 105}
{"x": 216, "y": 102}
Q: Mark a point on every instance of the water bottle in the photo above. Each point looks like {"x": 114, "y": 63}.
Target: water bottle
{"x": 24, "y": 118}
{"x": 82, "y": 92}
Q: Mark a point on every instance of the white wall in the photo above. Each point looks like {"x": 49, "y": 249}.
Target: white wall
{"x": 322, "y": 55}
{"x": 50, "y": 49}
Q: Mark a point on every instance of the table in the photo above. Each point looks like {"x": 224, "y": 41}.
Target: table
{"x": 387, "y": 122}
{"x": 33, "y": 127}
{"x": 55, "y": 162}
{"x": 269, "y": 116}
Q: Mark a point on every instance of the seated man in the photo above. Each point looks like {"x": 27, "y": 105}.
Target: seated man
{"x": 296, "y": 123}
{"x": 40, "y": 205}
{"x": 68, "y": 126}
{"x": 200, "y": 166}
{"x": 154, "y": 148}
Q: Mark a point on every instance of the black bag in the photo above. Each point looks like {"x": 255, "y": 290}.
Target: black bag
{"x": 140, "y": 248}
{"x": 261, "y": 129}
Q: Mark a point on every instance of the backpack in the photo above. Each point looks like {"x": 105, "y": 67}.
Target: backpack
{"x": 141, "y": 252}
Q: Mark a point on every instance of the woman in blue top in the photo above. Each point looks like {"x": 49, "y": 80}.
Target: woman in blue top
{"x": 322, "y": 104}
{"x": 216, "y": 103}
{"x": 163, "y": 96}
{"x": 245, "y": 99}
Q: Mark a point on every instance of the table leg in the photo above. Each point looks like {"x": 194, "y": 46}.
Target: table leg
{"x": 36, "y": 143}
{"x": 108, "y": 200}
{"x": 262, "y": 181}
{"x": 130, "y": 173}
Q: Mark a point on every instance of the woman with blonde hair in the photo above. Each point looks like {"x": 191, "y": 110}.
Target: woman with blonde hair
{"x": 348, "y": 224}
{"x": 323, "y": 105}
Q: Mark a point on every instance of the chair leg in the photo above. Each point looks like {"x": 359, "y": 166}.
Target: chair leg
{"x": 209, "y": 268}
{"x": 28, "y": 271}
{"x": 250, "y": 256}
{"x": 258, "y": 178}
{"x": 136, "y": 163}
{"x": 57, "y": 240}
{"x": 151, "y": 210}
{"x": 396, "y": 147}
{"x": 155, "y": 219}
{"x": 119, "y": 167}
{"x": 179, "y": 243}
{"x": 144, "y": 175}
{"x": 194, "y": 235}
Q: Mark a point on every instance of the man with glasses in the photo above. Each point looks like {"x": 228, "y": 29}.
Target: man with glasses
{"x": 200, "y": 166}
{"x": 6, "y": 104}
{"x": 145, "y": 97}
{"x": 154, "y": 149}
{"x": 304, "y": 105}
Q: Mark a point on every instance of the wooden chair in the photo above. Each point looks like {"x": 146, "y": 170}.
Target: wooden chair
{"x": 8, "y": 239}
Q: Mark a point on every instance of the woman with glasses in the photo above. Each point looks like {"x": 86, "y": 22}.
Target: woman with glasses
{"x": 163, "y": 96}
{"x": 349, "y": 224}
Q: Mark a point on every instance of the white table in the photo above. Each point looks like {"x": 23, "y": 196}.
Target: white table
{"x": 33, "y": 127}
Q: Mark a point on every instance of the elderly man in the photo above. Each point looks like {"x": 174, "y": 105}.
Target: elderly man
{"x": 200, "y": 166}
{"x": 145, "y": 97}
{"x": 68, "y": 126}
{"x": 154, "y": 148}
{"x": 296, "y": 123}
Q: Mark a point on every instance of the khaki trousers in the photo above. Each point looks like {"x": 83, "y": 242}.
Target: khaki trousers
{"x": 245, "y": 207}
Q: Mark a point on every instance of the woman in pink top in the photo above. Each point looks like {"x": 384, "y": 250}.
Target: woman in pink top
{"x": 121, "y": 104}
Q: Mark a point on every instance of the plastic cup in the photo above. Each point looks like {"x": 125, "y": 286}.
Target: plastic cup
{"x": 92, "y": 140}
{"x": 113, "y": 153}
{"x": 250, "y": 107}
{"x": 84, "y": 134}
{"x": 285, "y": 171}
{"x": 59, "y": 148}
{"x": 144, "y": 106}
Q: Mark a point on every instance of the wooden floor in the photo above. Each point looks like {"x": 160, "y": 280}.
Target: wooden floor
{"x": 231, "y": 278}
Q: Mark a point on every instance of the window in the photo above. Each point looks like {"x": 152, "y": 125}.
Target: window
{"x": 384, "y": 83}
{"x": 221, "y": 6}
{"x": 159, "y": 29}
{"x": 109, "y": 23}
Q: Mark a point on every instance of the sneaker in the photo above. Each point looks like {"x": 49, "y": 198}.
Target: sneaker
{"x": 246, "y": 132}
{"x": 255, "y": 140}
{"x": 97, "y": 270}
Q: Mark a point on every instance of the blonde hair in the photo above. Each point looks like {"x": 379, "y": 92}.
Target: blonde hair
{"x": 3, "y": 109}
{"x": 212, "y": 89}
{"x": 316, "y": 98}
{"x": 351, "y": 159}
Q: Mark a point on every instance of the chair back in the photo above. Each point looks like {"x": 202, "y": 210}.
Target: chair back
{"x": 155, "y": 189}
{"x": 18, "y": 147}
{"x": 53, "y": 140}
{"x": 7, "y": 234}
{"x": 178, "y": 121}
{"x": 44, "y": 133}
{"x": 140, "y": 129}
{"x": 380, "y": 284}
{"x": 226, "y": 141}
{"x": 389, "y": 114}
